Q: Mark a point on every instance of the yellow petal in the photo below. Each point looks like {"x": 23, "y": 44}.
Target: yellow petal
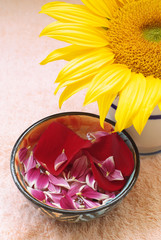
{"x": 66, "y": 53}
{"x": 83, "y": 66}
{"x": 66, "y": 12}
{"x": 104, "y": 102}
{"x": 130, "y": 99}
{"x": 77, "y": 34}
{"x": 110, "y": 79}
{"x": 151, "y": 98}
{"x": 103, "y": 8}
{"x": 72, "y": 89}
{"x": 159, "y": 105}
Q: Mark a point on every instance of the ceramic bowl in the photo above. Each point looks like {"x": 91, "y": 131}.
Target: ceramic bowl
{"x": 81, "y": 123}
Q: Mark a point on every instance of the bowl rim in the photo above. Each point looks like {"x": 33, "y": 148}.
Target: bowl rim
{"x": 128, "y": 186}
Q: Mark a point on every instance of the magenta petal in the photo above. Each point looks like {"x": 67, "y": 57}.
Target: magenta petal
{"x": 91, "y": 182}
{"x": 53, "y": 188}
{"x": 82, "y": 179}
{"x": 79, "y": 166}
{"x": 32, "y": 176}
{"x": 60, "y": 160}
{"x": 22, "y": 154}
{"x": 67, "y": 202}
{"x": 96, "y": 135}
{"x": 58, "y": 181}
{"x": 55, "y": 196}
{"x": 29, "y": 163}
{"x": 116, "y": 175}
{"x": 90, "y": 193}
{"x": 90, "y": 204}
{"x": 113, "y": 145}
{"x": 108, "y": 165}
{"x": 49, "y": 202}
{"x": 37, "y": 193}
{"x": 42, "y": 181}
{"x": 74, "y": 189}
{"x": 109, "y": 197}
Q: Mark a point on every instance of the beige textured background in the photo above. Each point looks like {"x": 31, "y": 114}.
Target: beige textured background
{"x": 26, "y": 96}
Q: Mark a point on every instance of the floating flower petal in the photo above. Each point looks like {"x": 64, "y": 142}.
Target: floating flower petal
{"x": 88, "y": 192}
{"x": 91, "y": 182}
{"x": 29, "y": 162}
{"x": 93, "y": 136}
{"x": 67, "y": 202}
{"x": 116, "y": 175}
{"x": 53, "y": 188}
{"x": 22, "y": 154}
{"x": 32, "y": 176}
{"x": 90, "y": 204}
{"x": 113, "y": 145}
{"x": 60, "y": 160}
{"x": 42, "y": 181}
{"x": 59, "y": 181}
{"x": 56, "y": 138}
{"x": 37, "y": 194}
{"x": 79, "y": 167}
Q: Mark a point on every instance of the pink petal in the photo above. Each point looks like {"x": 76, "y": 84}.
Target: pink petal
{"x": 90, "y": 193}
{"x": 91, "y": 182}
{"x": 30, "y": 162}
{"x": 102, "y": 181}
{"x": 79, "y": 166}
{"x": 108, "y": 165}
{"x": 49, "y": 202}
{"x": 82, "y": 179}
{"x": 53, "y": 188}
{"x": 60, "y": 160}
{"x": 42, "y": 181}
{"x": 37, "y": 193}
{"x": 96, "y": 135}
{"x": 74, "y": 189}
{"x": 22, "y": 154}
{"x": 67, "y": 202}
{"x": 110, "y": 194}
{"x": 109, "y": 197}
{"x": 32, "y": 176}
{"x": 55, "y": 196}
{"x": 116, "y": 175}
{"x": 90, "y": 204}
{"x": 58, "y": 181}
{"x": 113, "y": 145}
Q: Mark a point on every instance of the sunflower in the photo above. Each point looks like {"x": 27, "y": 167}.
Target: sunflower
{"x": 115, "y": 50}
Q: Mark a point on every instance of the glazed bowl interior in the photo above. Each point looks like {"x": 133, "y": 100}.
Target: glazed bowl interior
{"x": 80, "y": 123}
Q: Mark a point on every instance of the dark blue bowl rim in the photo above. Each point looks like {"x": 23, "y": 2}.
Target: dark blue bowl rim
{"x": 130, "y": 183}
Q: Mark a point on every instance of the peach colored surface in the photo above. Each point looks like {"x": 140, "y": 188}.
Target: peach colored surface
{"x": 27, "y": 96}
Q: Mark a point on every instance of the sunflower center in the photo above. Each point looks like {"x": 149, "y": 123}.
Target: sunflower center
{"x": 152, "y": 34}
{"x": 135, "y": 36}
